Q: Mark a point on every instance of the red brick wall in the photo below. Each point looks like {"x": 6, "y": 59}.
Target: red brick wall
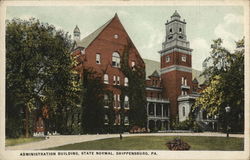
{"x": 175, "y": 59}
{"x": 171, "y": 82}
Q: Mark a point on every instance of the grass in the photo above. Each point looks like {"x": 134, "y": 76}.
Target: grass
{"x": 157, "y": 143}
{"x": 16, "y": 141}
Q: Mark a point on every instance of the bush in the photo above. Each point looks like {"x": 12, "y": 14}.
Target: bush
{"x": 184, "y": 125}
{"x": 177, "y": 144}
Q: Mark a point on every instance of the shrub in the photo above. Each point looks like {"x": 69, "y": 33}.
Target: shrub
{"x": 178, "y": 144}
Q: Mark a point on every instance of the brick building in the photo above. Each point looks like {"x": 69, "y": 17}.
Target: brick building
{"x": 171, "y": 85}
{"x": 102, "y": 51}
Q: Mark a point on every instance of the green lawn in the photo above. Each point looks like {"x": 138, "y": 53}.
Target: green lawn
{"x": 157, "y": 143}
{"x": 16, "y": 141}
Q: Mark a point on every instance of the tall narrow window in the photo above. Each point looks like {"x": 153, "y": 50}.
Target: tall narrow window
{"x": 133, "y": 65}
{"x": 180, "y": 30}
{"x": 115, "y": 59}
{"x": 167, "y": 59}
{"x": 98, "y": 58}
{"x": 126, "y": 122}
{"x": 185, "y": 82}
{"x": 126, "y": 102}
{"x": 126, "y": 81}
{"x": 183, "y": 111}
{"x": 118, "y": 80}
{"x": 114, "y": 80}
{"x": 115, "y": 102}
{"x": 106, "y": 100}
{"x": 182, "y": 80}
{"x": 106, "y": 119}
{"x": 106, "y": 78}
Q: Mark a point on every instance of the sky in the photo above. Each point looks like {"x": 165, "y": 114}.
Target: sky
{"x": 146, "y": 24}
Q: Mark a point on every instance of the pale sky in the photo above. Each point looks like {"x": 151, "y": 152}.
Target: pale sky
{"x": 146, "y": 24}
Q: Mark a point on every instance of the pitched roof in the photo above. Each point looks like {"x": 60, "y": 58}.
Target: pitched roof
{"x": 155, "y": 74}
{"x": 85, "y": 42}
{"x": 151, "y": 66}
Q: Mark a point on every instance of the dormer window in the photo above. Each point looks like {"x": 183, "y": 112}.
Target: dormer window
{"x": 167, "y": 59}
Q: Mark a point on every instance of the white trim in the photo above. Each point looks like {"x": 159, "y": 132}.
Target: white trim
{"x": 176, "y": 67}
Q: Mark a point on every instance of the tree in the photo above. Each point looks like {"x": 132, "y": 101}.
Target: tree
{"x": 38, "y": 74}
{"x": 225, "y": 85}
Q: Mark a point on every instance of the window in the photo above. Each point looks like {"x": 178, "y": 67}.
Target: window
{"x": 182, "y": 80}
{"x": 106, "y": 119}
{"x": 106, "y": 100}
{"x": 115, "y": 59}
{"x": 98, "y": 58}
{"x": 126, "y": 81}
{"x": 118, "y": 80}
{"x": 106, "y": 79}
{"x": 182, "y": 93}
{"x": 170, "y": 37}
{"x": 114, "y": 80}
{"x": 170, "y": 30}
{"x": 115, "y": 101}
{"x": 183, "y": 111}
{"x": 167, "y": 59}
{"x": 126, "y": 102}
{"x": 185, "y": 82}
{"x": 183, "y": 58}
{"x": 180, "y": 30}
{"x": 126, "y": 122}
{"x": 133, "y": 65}
{"x": 118, "y": 97}
{"x": 116, "y": 36}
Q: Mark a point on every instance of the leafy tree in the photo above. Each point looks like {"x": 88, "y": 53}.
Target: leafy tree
{"x": 225, "y": 85}
{"x": 38, "y": 73}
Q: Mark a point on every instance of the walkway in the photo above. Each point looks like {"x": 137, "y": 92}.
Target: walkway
{"x": 60, "y": 140}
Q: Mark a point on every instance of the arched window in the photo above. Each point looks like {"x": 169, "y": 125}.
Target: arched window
{"x": 115, "y": 59}
{"x": 183, "y": 111}
{"x": 106, "y": 78}
{"x": 180, "y": 30}
{"x": 126, "y": 81}
{"x": 170, "y": 30}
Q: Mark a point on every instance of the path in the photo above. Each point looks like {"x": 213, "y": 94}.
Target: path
{"x": 60, "y": 140}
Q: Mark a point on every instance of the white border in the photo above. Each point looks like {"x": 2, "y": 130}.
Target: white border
{"x": 202, "y": 155}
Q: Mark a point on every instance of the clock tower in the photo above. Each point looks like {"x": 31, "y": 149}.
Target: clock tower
{"x": 176, "y": 63}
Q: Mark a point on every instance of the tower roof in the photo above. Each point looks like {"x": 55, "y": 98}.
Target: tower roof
{"x": 76, "y": 30}
{"x": 176, "y": 14}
